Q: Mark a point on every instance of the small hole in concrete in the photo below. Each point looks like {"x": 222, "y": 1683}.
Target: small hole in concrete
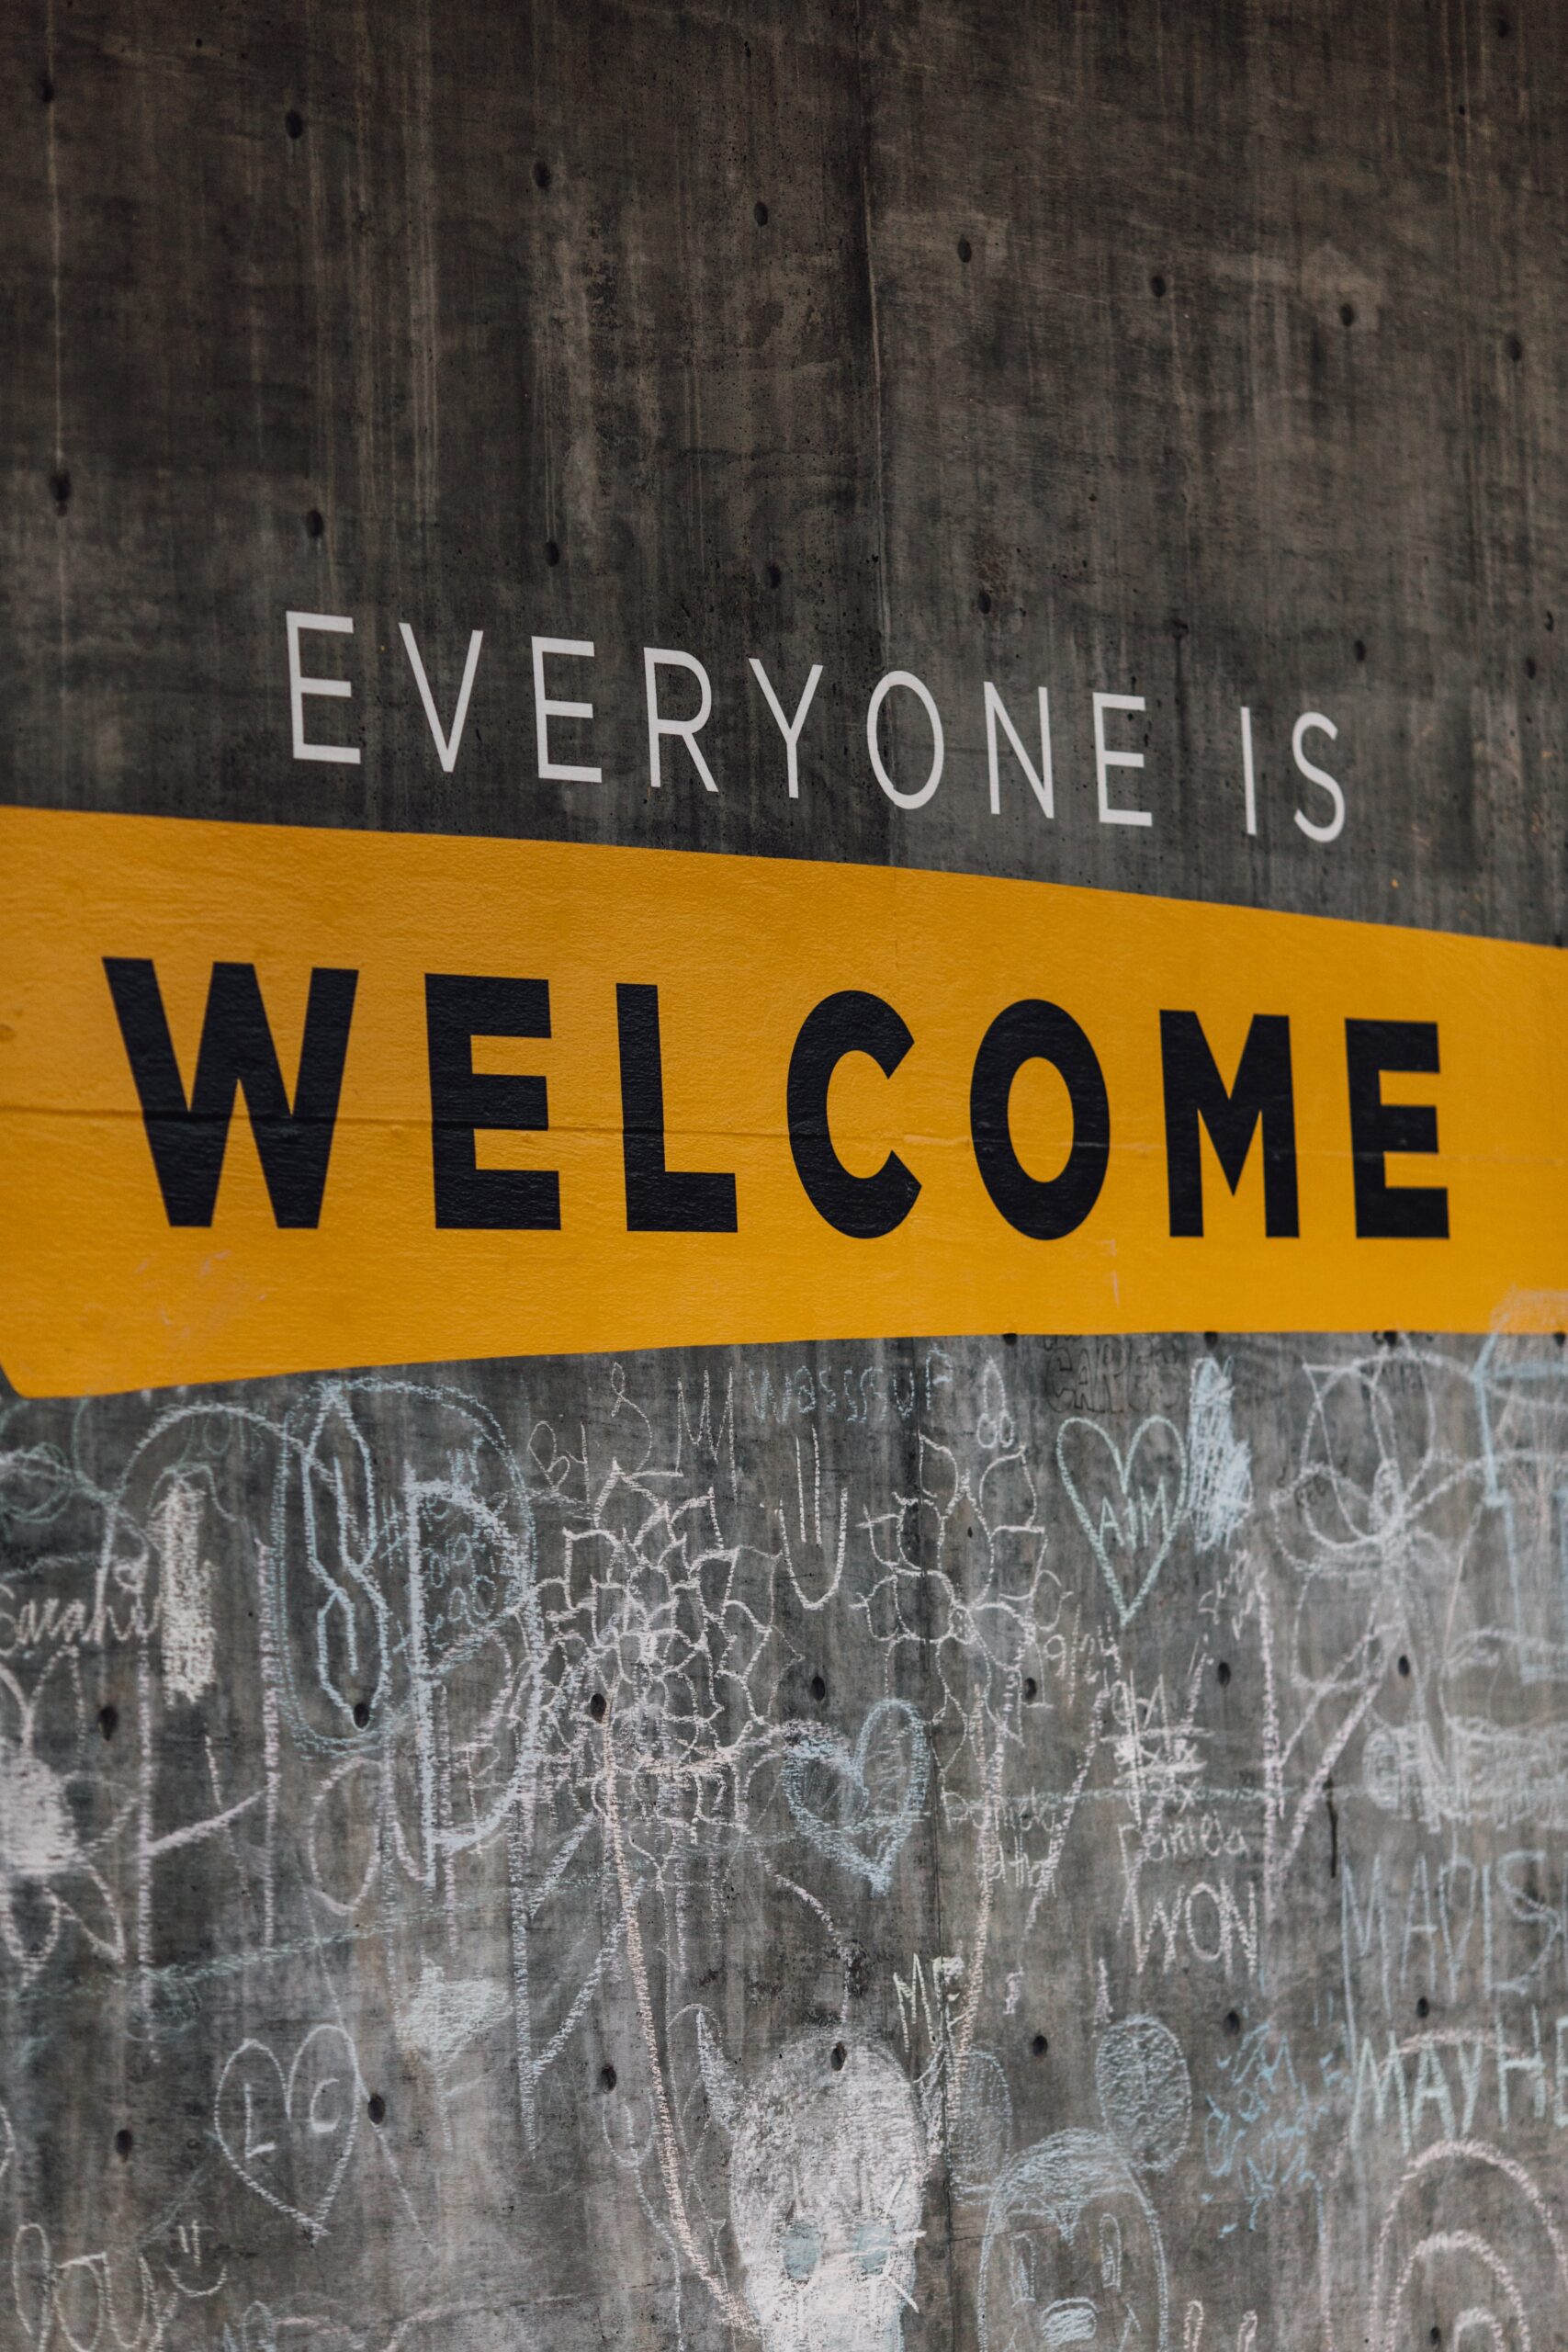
{"x": 1156, "y": 287}
{"x": 839, "y": 2056}
{"x": 45, "y": 90}
{"x": 1529, "y": 665}
{"x": 1504, "y": 28}
{"x": 1040, "y": 2045}
{"x": 1346, "y": 314}
{"x": 294, "y": 123}
{"x": 315, "y": 523}
{"x": 1435, "y": 2334}
{"x": 1551, "y": 624}
{"x": 1010, "y": 1339}
{"x": 598, "y": 1706}
{"x": 1233, "y": 2023}
{"x": 1515, "y": 348}
{"x": 376, "y": 2108}
{"x": 607, "y": 2078}
{"x": 1030, "y": 1689}
{"x": 983, "y": 600}
{"x": 759, "y": 214}
{"x": 1223, "y": 1671}
{"x": 541, "y": 175}
{"x": 1211, "y": 1338}
{"x": 1404, "y": 1667}
{"x": 966, "y": 250}
{"x": 108, "y": 1721}
{"x": 1360, "y": 649}
{"x": 1423, "y": 2007}
{"x": 1558, "y": 1337}
{"x": 552, "y": 552}
{"x": 773, "y": 576}
{"x": 60, "y": 488}
{"x": 818, "y": 1688}
{"x": 361, "y": 1714}
{"x": 123, "y": 2144}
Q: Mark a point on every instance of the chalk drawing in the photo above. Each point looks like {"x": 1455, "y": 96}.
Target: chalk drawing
{"x": 826, "y": 2178}
{"x": 446, "y": 2014}
{"x": 1130, "y": 1503}
{"x": 858, "y": 1806}
{"x": 185, "y": 1610}
{"x": 981, "y": 2130}
{"x": 1072, "y": 2252}
{"x": 1468, "y": 2246}
{"x": 289, "y": 2134}
{"x": 51, "y": 1877}
{"x": 1004, "y": 1697}
{"x": 1146, "y": 2091}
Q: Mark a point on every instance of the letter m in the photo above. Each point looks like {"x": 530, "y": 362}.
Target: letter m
{"x": 188, "y": 1140}
{"x": 1262, "y": 1094}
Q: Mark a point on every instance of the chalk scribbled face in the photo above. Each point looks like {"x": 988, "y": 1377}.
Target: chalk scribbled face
{"x": 1072, "y": 2254}
{"x": 824, "y": 2184}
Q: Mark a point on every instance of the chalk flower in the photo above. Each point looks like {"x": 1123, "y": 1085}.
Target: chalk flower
{"x": 50, "y": 1877}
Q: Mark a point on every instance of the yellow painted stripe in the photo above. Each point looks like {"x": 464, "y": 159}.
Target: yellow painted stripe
{"x": 100, "y": 1292}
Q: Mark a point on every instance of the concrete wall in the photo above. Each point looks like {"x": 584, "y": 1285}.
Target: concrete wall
{"x": 1013, "y": 1841}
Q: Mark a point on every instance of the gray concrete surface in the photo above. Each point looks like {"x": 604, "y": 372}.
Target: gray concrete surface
{"x": 1011, "y": 1842}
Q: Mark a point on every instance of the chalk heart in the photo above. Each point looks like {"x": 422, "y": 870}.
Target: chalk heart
{"x": 289, "y": 2134}
{"x": 858, "y": 1805}
{"x": 1130, "y": 1505}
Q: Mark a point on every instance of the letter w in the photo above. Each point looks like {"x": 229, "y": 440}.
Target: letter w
{"x": 187, "y": 1140}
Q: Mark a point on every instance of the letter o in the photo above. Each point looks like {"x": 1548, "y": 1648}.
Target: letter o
{"x": 874, "y": 711}
{"x": 1034, "y": 1030}
{"x": 1222, "y": 1949}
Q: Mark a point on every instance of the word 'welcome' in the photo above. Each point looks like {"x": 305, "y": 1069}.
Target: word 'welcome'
{"x": 188, "y": 1134}
{"x": 278, "y": 1100}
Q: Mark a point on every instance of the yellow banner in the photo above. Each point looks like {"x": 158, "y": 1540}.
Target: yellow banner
{"x": 277, "y": 1099}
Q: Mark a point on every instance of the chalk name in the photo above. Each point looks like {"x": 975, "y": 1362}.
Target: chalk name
{"x": 672, "y": 677}
{"x": 187, "y": 1137}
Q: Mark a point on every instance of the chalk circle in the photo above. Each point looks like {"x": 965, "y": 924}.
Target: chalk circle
{"x": 1145, "y": 2092}
{"x": 980, "y": 2135}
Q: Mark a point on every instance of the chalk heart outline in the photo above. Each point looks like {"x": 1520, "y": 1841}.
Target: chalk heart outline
{"x": 870, "y": 1842}
{"x": 262, "y": 2063}
{"x": 1115, "y": 1484}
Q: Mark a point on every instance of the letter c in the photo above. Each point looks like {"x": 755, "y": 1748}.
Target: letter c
{"x": 852, "y": 1022}
{"x": 1029, "y": 1031}
{"x": 321, "y": 2126}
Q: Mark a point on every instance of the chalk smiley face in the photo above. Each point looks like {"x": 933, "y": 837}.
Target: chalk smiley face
{"x": 1072, "y": 2252}
{"x": 826, "y": 2174}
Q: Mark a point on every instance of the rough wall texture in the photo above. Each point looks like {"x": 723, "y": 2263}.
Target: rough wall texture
{"x": 1019, "y": 1842}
